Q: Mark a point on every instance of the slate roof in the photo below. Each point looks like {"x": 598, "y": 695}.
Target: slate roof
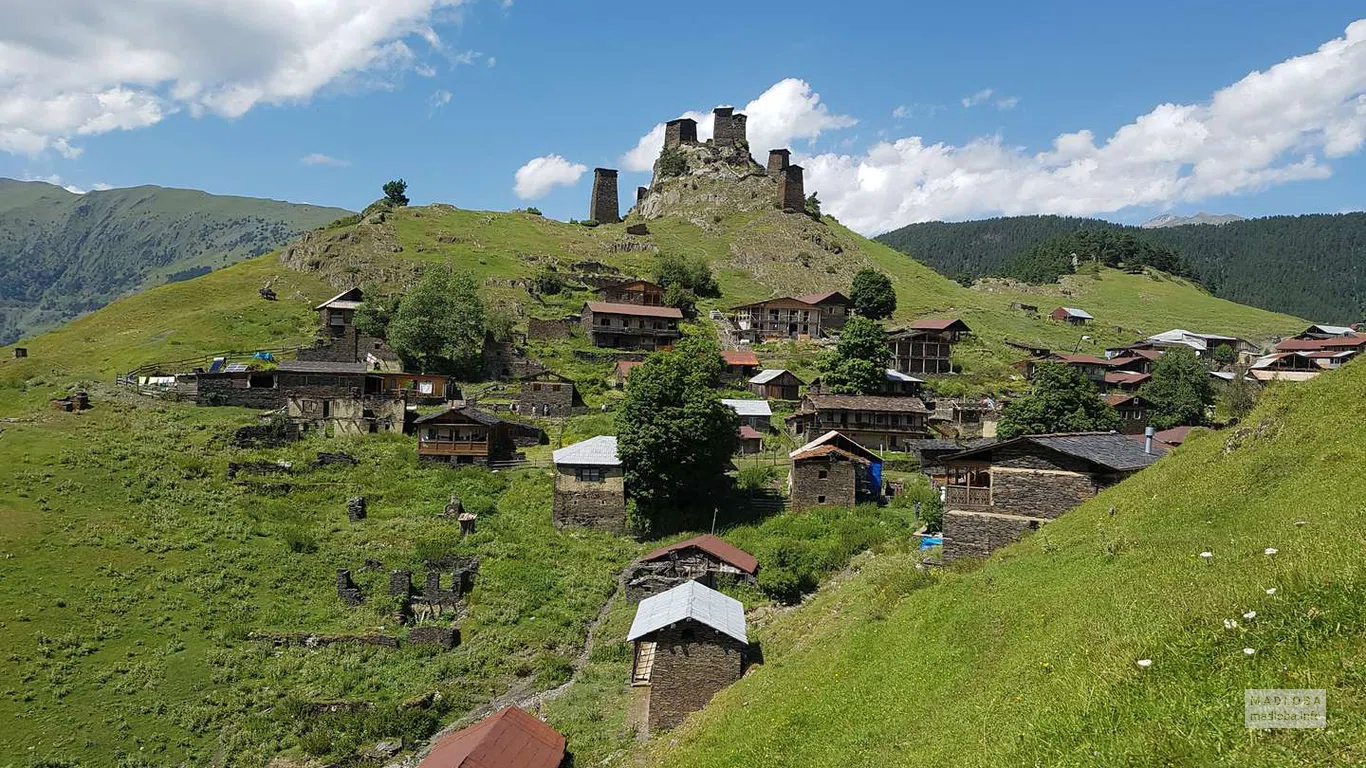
{"x": 320, "y": 366}
{"x": 739, "y": 357}
{"x": 635, "y": 310}
{"x": 821, "y": 298}
{"x": 749, "y": 407}
{"x": 1110, "y": 450}
{"x": 822, "y": 402}
{"x": 600, "y": 451}
{"x": 690, "y": 600}
{"x": 769, "y": 374}
{"x": 474, "y": 414}
{"x": 713, "y": 545}
{"x": 511, "y": 738}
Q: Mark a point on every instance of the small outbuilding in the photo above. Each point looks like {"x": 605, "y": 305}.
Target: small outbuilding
{"x": 1071, "y": 316}
{"x": 833, "y": 470}
{"x": 338, "y": 313}
{"x": 690, "y": 642}
{"x": 509, "y": 738}
{"x": 707, "y": 559}
{"x": 590, "y": 490}
{"x": 755, "y": 414}
{"x": 622, "y": 371}
{"x": 548, "y": 394}
{"x": 776, "y": 384}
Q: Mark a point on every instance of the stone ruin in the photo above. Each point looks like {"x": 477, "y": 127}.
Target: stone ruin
{"x": 355, "y": 509}
{"x": 347, "y": 589}
{"x": 433, "y": 601}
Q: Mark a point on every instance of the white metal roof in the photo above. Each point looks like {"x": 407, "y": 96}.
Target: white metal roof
{"x": 899, "y": 376}
{"x": 749, "y": 407}
{"x": 1074, "y": 312}
{"x": 690, "y": 600}
{"x": 1335, "y": 330}
{"x": 595, "y": 451}
{"x": 767, "y": 375}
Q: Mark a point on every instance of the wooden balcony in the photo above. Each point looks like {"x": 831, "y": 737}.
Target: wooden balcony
{"x": 960, "y": 497}
{"x": 435, "y": 448}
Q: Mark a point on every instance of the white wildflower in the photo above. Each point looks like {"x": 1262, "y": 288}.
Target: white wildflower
{"x": 1270, "y": 551}
{"x": 1207, "y": 555}
{"x": 1271, "y": 590}
{"x": 1249, "y": 651}
{"x": 1250, "y": 615}
{"x": 1230, "y": 624}
{"x": 1144, "y": 663}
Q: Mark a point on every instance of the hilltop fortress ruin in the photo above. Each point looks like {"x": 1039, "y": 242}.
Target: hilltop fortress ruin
{"x": 720, "y": 172}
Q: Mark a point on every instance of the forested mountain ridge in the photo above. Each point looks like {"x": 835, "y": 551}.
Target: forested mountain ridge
{"x": 64, "y": 253}
{"x": 1304, "y": 265}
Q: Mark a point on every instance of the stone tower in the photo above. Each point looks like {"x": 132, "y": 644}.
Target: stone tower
{"x": 641, "y": 192}
{"x": 729, "y": 127}
{"x": 777, "y": 162}
{"x": 602, "y": 208}
{"x": 679, "y": 132}
{"x": 790, "y": 192}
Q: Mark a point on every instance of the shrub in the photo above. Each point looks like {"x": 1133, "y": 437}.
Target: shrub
{"x": 672, "y": 162}
{"x": 756, "y": 477}
{"x": 549, "y": 282}
{"x": 344, "y": 221}
{"x": 300, "y": 541}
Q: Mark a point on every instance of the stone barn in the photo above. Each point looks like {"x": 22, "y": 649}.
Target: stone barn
{"x": 589, "y": 488}
{"x": 548, "y": 394}
{"x": 689, "y": 643}
{"x": 707, "y": 559}
{"x": 509, "y": 738}
{"x": 833, "y": 469}
{"x": 996, "y": 493}
{"x": 338, "y": 313}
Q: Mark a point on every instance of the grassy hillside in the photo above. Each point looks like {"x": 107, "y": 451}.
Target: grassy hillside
{"x": 1302, "y": 265}
{"x": 63, "y": 254}
{"x": 1031, "y": 659}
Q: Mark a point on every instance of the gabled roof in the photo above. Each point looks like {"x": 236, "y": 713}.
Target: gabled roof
{"x": 1068, "y": 358}
{"x": 747, "y": 432}
{"x": 834, "y": 438}
{"x": 511, "y": 738}
{"x": 1110, "y": 450}
{"x": 600, "y": 451}
{"x": 894, "y": 375}
{"x": 805, "y": 304}
{"x": 739, "y": 357}
{"x": 1074, "y": 312}
{"x": 749, "y": 407}
{"x": 887, "y": 404}
{"x": 828, "y": 297}
{"x": 690, "y": 600}
{"x": 940, "y": 324}
{"x": 1125, "y": 377}
{"x": 644, "y": 285}
{"x": 769, "y": 374}
{"x": 473, "y": 414}
{"x": 1328, "y": 330}
{"x": 320, "y": 366}
{"x": 635, "y": 310}
{"x": 350, "y": 298}
{"x": 713, "y": 545}
{"x": 1117, "y": 399}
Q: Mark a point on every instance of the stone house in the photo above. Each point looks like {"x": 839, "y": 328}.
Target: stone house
{"x": 509, "y": 738}
{"x": 463, "y": 436}
{"x": 590, "y": 490}
{"x": 874, "y": 421}
{"x": 338, "y": 313}
{"x": 548, "y": 394}
{"x": 996, "y": 493}
{"x": 347, "y": 415}
{"x": 740, "y": 365}
{"x": 707, "y": 559}
{"x": 965, "y": 418}
{"x": 689, "y": 643}
{"x": 776, "y": 384}
{"x": 833, "y": 470}
{"x": 1070, "y": 315}
{"x": 835, "y": 308}
{"x": 642, "y": 292}
{"x": 780, "y": 318}
{"x": 926, "y": 346}
{"x": 631, "y": 326}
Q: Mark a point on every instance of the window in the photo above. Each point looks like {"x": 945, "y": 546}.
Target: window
{"x": 554, "y": 387}
{"x": 426, "y": 387}
{"x": 588, "y": 474}
{"x": 822, "y": 474}
{"x": 536, "y": 387}
{"x": 644, "y": 662}
{"x": 261, "y": 381}
{"x": 820, "y": 499}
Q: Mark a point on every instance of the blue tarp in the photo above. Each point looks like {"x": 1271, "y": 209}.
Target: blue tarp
{"x": 875, "y": 477}
{"x": 931, "y": 541}
{"x": 264, "y": 356}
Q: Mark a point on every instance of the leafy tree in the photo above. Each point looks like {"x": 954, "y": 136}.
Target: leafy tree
{"x": 439, "y": 324}
{"x": 1062, "y": 400}
{"x": 1092, "y": 248}
{"x": 549, "y": 282}
{"x": 674, "y": 435}
{"x": 1224, "y": 355}
{"x": 396, "y": 192}
{"x": 375, "y": 313}
{"x": 690, "y": 272}
{"x": 675, "y": 295}
{"x": 813, "y": 206}
{"x": 872, "y": 294}
{"x": 1179, "y": 391}
{"x": 1240, "y": 395}
{"x": 858, "y": 364}
{"x": 672, "y": 162}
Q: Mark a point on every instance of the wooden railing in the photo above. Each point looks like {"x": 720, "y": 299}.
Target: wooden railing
{"x": 963, "y": 496}
{"x": 434, "y": 448}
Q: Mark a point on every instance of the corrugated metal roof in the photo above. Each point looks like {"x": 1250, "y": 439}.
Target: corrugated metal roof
{"x": 739, "y": 357}
{"x": 749, "y": 407}
{"x": 767, "y": 375}
{"x": 835, "y": 438}
{"x": 600, "y": 451}
{"x": 350, "y": 298}
{"x": 747, "y": 432}
{"x": 509, "y": 739}
{"x": 893, "y": 375}
{"x": 713, "y": 545}
{"x": 1074, "y": 312}
{"x": 635, "y": 310}
{"x": 690, "y": 600}
{"x": 1332, "y": 330}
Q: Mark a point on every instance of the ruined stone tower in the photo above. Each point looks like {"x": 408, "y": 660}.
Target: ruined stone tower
{"x": 602, "y": 208}
{"x": 777, "y": 162}
{"x": 790, "y": 192}
{"x": 679, "y": 132}
{"x": 729, "y": 127}
{"x": 641, "y": 192}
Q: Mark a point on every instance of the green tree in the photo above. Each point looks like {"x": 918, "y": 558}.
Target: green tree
{"x": 1062, "y": 400}
{"x": 813, "y": 206}
{"x": 675, "y": 295}
{"x": 375, "y": 313}
{"x": 672, "y": 162}
{"x": 439, "y": 324}
{"x": 872, "y": 294}
{"x": 858, "y": 363}
{"x": 396, "y": 192}
{"x": 1240, "y": 395}
{"x": 690, "y": 272}
{"x": 1179, "y": 391}
{"x": 675, "y": 437}
{"x": 1224, "y": 355}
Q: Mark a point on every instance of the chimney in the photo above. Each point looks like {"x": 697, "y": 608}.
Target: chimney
{"x": 1148, "y": 439}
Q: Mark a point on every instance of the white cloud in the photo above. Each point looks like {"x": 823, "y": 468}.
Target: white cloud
{"x": 539, "y": 175}
{"x": 439, "y": 99}
{"x": 318, "y": 158}
{"x": 901, "y": 112}
{"x": 425, "y": 70}
{"x": 1269, "y": 128}
{"x": 980, "y": 97}
{"x": 492, "y": 61}
{"x": 127, "y": 64}
{"x": 788, "y": 110}
{"x": 985, "y": 95}
{"x": 56, "y": 180}
{"x": 1008, "y": 102}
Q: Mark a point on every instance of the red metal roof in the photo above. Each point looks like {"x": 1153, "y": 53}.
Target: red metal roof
{"x": 509, "y": 739}
{"x": 739, "y": 357}
{"x": 712, "y": 545}
{"x": 1117, "y": 399}
{"x": 1125, "y": 377}
{"x": 624, "y": 367}
{"x": 750, "y": 433}
{"x": 635, "y": 310}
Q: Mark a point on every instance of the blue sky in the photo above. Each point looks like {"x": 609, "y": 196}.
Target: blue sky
{"x": 456, "y": 97}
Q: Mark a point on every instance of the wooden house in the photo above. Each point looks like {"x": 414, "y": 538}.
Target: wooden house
{"x": 463, "y": 436}
{"x": 1091, "y": 367}
{"x": 707, "y": 559}
{"x": 740, "y": 365}
{"x": 1071, "y": 316}
{"x": 548, "y": 394}
{"x": 689, "y": 643}
{"x": 751, "y": 440}
{"x": 776, "y": 319}
{"x": 776, "y": 384}
{"x": 926, "y": 346}
{"x": 1133, "y": 411}
{"x": 835, "y": 308}
{"x": 590, "y": 491}
{"x": 998, "y": 492}
{"x": 874, "y": 421}
{"x": 509, "y": 738}
{"x": 338, "y": 313}
{"x": 642, "y": 292}
{"x": 833, "y": 470}
{"x": 631, "y": 326}
{"x": 1125, "y": 381}
{"x": 1203, "y": 344}
{"x": 416, "y": 388}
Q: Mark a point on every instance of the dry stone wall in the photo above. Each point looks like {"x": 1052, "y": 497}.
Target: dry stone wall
{"x": 692, "y": 663}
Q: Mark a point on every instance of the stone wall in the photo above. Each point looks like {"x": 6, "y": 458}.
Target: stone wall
{"x": 551, "y": 329}
{"x": 1038, "y": 494}
{"x": 978, "y": 534}
{"x": 600, "y": 505}
{"x": 444, "y": 638}
{"x": 692, "y": 662}
{"x": 809, "y": 489}
{"x": 778, "y": 161}
{"x": 554, "y": 398}
{"x": 791, "y": 193}
{"x": 603, "y": 207}
{"x": 348, "y": 415}
{"x": 234, "y": 389}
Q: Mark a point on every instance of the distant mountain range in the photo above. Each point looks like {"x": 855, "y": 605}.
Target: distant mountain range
{"x": 1172, "y": 220}
{"x": 63, "y": 254}
{"x": 1310, "y": 266}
